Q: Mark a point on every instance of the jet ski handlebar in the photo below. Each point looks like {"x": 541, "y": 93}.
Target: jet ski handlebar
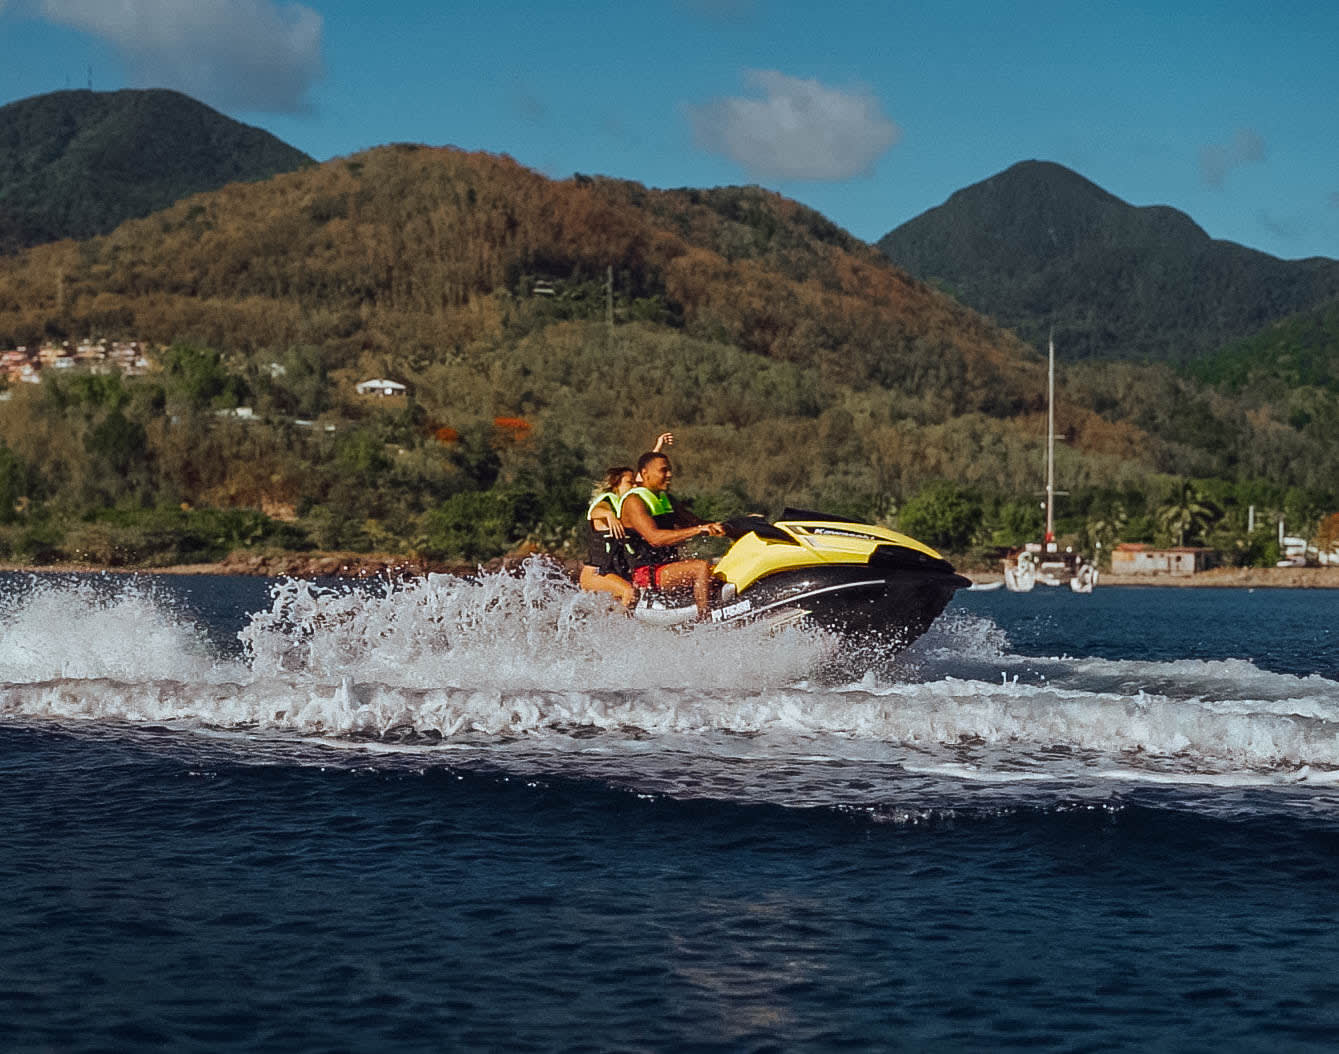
{"x": 738, "y": 526}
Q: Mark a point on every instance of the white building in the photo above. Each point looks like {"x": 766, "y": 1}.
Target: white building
{"x": 1137, "y": 558}
{"x": 382, "y": 387}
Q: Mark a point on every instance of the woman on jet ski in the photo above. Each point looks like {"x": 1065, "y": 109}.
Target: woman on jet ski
{"x": 607, "y": 568}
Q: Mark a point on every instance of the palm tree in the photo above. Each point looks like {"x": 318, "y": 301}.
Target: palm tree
{"x": 1185, "y": 513}
{"x": 1104, "y": 531}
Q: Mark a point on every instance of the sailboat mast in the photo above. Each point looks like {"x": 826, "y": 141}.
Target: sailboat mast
{"x": 1050, "y": 444}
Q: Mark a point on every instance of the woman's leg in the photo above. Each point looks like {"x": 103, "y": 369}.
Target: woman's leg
{"x": 592, "y": 580}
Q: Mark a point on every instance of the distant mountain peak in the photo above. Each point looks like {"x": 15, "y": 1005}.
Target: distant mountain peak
{"x": 78, "y": 163}
{"x": 1038, "y": 246}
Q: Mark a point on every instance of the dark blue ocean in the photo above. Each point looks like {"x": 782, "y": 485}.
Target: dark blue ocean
{"x": 241, "y": 815}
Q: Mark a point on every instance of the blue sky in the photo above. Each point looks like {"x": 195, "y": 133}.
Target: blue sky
{"x": 870, "y": 111}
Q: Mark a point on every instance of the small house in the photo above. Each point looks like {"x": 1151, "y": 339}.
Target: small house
{"x": 381, "y": 386}
{"x": 1136, "y": 558}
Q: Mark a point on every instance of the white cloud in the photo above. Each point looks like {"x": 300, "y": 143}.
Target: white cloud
{"x": 243, "y": 54}
{"x": 798, "y": 129}
{"x": 1218, "y": 159}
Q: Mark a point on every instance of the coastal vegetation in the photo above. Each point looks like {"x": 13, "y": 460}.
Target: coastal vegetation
{"x": 548, "y": 328}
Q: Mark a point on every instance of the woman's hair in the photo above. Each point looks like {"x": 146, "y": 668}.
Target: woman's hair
{"x": 614, "y": 475}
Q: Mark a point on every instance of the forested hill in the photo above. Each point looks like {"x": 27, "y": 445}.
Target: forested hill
{"x": 77, "y": 163}
{"x": 1038, "y": 246}
{"x": 410, "y": 257}
{"x": 795, "y": 363}
{"x": 1298, "y": 353}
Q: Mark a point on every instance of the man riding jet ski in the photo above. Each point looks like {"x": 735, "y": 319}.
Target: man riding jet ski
{"x": 844, "y": 576}
{"x": 655, "y": 529}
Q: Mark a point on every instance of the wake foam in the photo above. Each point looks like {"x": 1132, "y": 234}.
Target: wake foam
{"x": 528, "y": 665}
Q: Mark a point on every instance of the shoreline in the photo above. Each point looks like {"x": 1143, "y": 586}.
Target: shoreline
{"x": 1217, "y": 578}
{"x": 373, "y": 565}
{"x": 298, "y": 565}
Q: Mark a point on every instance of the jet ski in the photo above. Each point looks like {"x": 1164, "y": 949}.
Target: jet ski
{"x": 851, "y": 578}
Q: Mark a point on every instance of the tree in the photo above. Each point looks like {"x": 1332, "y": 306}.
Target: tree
{"x": 120, "y": 442}
{"x": 15, "y": 483}
{"x": 1106, "y": 529}
{"x": 198, "y": 376}
{"x": 1011, "y": 523}
{"x": 942, "y": 514}
{"x": 473, "y": 525}
{"x": 1184, "y": 514}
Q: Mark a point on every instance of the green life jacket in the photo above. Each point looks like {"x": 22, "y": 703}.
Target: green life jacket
{"x": 662, "y": 512}
{"x": 607, "y": 553}
{"x": 614, "y": 500}
{"x": 659, "y": 504}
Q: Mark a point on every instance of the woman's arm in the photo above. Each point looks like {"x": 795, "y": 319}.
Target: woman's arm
{"x": 603, "y": 519}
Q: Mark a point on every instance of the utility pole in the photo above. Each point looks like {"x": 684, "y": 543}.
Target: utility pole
{"x": 1050, "y": 445}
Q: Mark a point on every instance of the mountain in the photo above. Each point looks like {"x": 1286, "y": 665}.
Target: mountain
{"x": 77, "y": 163}
{"x": 417, "y": 253}
{"x": 806, "y": 363}
{"x": 1038, "y": 246}
{"x": 794, "y": 363}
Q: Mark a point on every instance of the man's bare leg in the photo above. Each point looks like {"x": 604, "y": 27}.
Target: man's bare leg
{"x": 683, "y": 575}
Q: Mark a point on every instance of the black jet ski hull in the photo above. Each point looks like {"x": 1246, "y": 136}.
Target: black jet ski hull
{"x": 860, "y": 601}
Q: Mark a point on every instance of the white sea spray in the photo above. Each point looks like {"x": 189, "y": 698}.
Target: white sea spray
{"x": 530, "y": 672}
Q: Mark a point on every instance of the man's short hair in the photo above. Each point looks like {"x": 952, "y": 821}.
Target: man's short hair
{"x": 648, "y": 457}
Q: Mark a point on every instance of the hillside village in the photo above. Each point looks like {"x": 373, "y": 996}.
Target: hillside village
{"x": 25, "y": 364}
{"x": 129, "y": 358}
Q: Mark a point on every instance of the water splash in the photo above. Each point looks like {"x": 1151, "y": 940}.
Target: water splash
{"x": 508, "y": 633}
{"x": 528, "y": 671}
{"x": 96, "y": 627}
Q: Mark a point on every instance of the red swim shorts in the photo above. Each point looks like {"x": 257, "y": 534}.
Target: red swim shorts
{"x": 642, "y": 577}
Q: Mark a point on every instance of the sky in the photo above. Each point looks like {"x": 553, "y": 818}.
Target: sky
{"x": 870, "y": 111}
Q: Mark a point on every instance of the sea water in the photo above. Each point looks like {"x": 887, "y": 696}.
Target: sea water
{"x": 238, "y": 814}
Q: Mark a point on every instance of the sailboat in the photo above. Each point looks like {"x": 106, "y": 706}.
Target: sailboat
{"x": 1043, "y": 561}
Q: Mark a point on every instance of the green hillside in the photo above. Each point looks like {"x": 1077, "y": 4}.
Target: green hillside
{"x": 1301, "y": 351}
{"x": 795, "y": 364}
{"x": 78, "y": 163}
{"x": 1038, "y": 246}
